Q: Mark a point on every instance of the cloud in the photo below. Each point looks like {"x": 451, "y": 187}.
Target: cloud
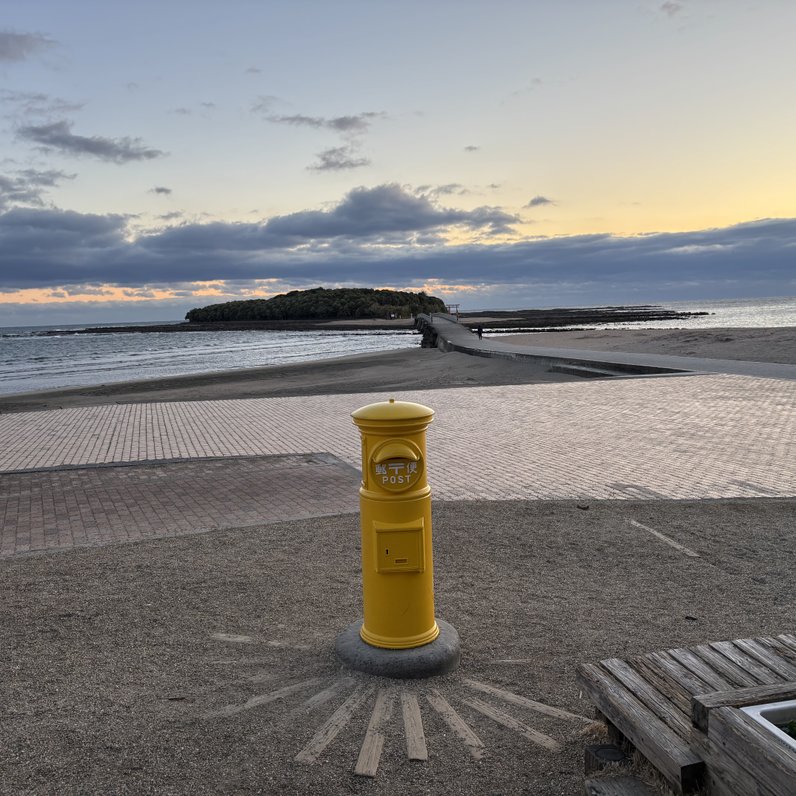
{"x": 184, "y": 111}
{"x": 18, "y": 46}
{"x": 160, "y": 189}
{"x": 30, "y": 103}
{"x": 368, "y": 212}
{"x": 442, "y": 190}
{"x": 700, "y": 248}
{"x": 471, "y": 148}
{"x": 357, "y": 123}
{"x": 533, "y": 85}
{"x": 264, "y": 103}
{"x": 389, "y": 235}
{"x": 57, "y": 248}
{"x": 350, "y": 127}
{"x": 27, "y": 187}
{"x": 671, "y": 8}
{"x": 58, "y": 136}
{"x": 338, "y": 158}
{"x": 539, "y": 201}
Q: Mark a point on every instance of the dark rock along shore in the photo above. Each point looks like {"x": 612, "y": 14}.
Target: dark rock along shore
{"x": 568, "y": 317}
{"x": 514, "y": 320}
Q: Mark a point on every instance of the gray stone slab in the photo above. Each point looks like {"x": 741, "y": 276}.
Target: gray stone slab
{"x": 439, "y": 657}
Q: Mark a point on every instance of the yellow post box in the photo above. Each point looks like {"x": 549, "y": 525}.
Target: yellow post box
{"x": 395, "y": 515}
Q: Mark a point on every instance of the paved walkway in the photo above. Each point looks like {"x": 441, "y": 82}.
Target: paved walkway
{"x": 102, "y": 504}
{"x": 459, "y": 338}
{"x": 690, "y": 437}
{"x": 683, "y": 437}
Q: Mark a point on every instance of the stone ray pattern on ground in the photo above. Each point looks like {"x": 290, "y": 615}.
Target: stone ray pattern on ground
{"x": 351, "y": 698}
{"x": 684, "y": 437}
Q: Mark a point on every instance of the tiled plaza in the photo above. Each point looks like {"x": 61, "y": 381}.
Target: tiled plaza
{"x": 95, "y": 505}
{"x": 683, "y": 437}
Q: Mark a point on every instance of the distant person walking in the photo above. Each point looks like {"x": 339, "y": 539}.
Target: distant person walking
{"x": 479, "y": 331}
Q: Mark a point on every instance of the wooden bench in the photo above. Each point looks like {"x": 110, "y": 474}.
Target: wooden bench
{"x": 679, "y": 707}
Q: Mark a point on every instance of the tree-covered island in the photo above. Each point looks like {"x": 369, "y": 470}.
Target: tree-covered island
{"x": 321, "y": 304}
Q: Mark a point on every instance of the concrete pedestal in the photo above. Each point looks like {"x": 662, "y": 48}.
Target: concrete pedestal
{"x": 438, "y": 657}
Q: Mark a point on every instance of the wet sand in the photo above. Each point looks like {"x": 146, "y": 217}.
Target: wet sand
{"x": 404, "y": 369}
{"x": 754, "y": 345}
{"x": 417, "y": 368}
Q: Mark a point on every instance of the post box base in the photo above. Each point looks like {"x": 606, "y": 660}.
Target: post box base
{"x": 440, "y": 656}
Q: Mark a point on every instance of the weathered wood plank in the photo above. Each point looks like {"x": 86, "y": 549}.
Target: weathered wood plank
{"x": 516, "y": 699}
{"x": 720, "y": 780}
{"x": 724, "y": 777}
{"x": 322, "y": 697}
{"x": 616, "y": 786}
{"x": 369, "y": 755}
{"x": 664, "y": 749}
{"x": 766, "y": 656}
{"x": 643, "y": 698}
{"x": 747, "y": 744}
{"x": 703, "y": 704}
{"x": 695, "y": 664}
{"x": 726, "y": 667}
{"x": 779, "y": 647}
{"x": 662, "y": 707}
{"x": 263, "y": 699}
{"x": 413, "y": 727}
{"x": 456, "y": 723}
{"x": 788, "y": 640}
{"x": 761, "y": 673}
{"x": 534, "y": 736}
{"x": 678, "y": 673}
{"x": 678, "y": 695}
{"x": 330, "y": 729}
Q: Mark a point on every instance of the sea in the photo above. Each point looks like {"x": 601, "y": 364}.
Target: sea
{"x": 30, "y": 361}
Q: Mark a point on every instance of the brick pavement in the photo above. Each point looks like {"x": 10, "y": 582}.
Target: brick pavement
{"x": 667, "y": 438}
{"x": 76, "y": 507}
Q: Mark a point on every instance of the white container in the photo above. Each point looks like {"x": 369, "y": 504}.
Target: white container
{"x": 774, "y": 713}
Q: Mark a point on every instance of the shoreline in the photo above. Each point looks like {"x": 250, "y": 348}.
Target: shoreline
{"x": 415, "y": 368}
{"x": 519, "y": 319}
{"x": 397, "y": 369}
{"x": 775, "y": 344}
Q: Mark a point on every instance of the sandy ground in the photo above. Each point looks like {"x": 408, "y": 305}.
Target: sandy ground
{"x": 119, "y": 663}
{"x": 755, "y": 345}
{"x": 416, "y": 368}
{"x": 404, "y": 369}
{"x": 115, "y": 661}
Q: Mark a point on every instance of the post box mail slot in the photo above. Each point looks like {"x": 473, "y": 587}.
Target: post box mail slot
{"x": 399, "y": 548}
{"x": 396, "y": 465}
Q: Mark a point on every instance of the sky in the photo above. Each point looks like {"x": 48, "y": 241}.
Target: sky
{"x": 159, "y": 156}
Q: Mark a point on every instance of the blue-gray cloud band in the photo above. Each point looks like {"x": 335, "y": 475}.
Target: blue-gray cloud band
{"x": 19, "y": 46}
{"x": 28, "y": 186}
{"x": 58, "y": 136}
{"x": 377, "y": 236}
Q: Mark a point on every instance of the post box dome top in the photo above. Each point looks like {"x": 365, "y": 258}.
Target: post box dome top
{"x": 393, "y": 410}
